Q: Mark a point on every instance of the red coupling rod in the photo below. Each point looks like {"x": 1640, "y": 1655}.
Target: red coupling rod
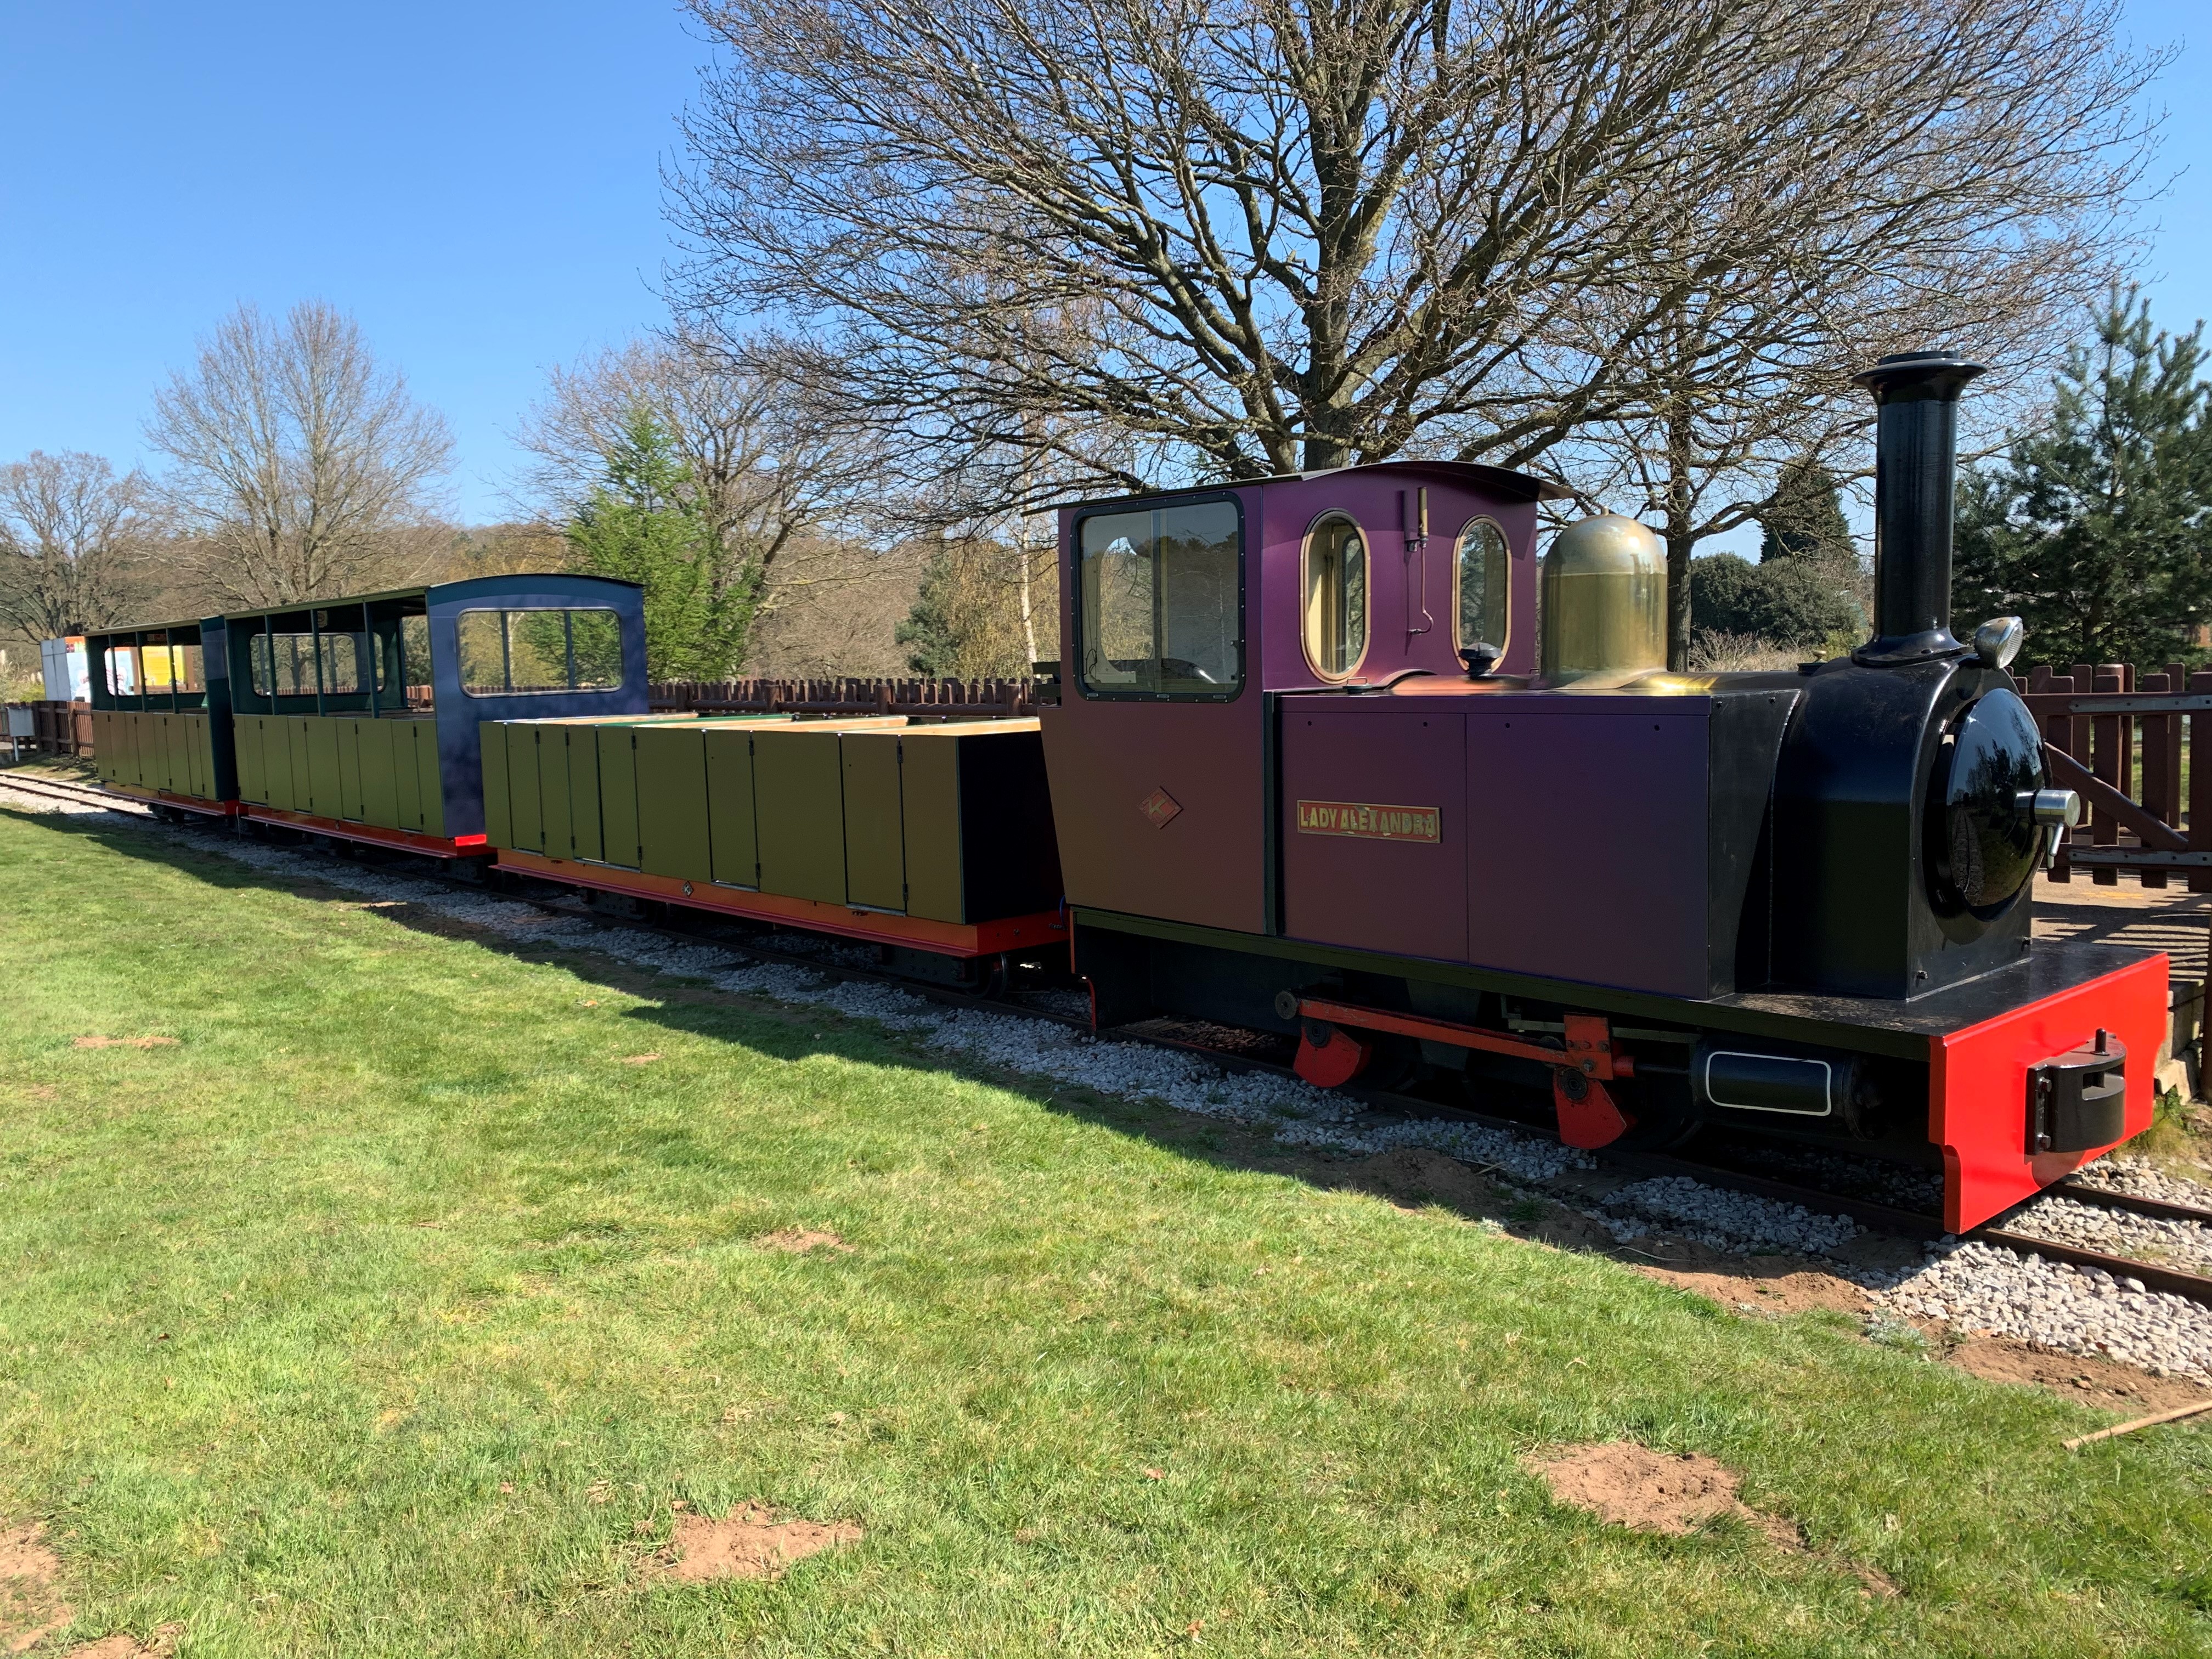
{"x": 1329, "y": 1055}
{"x": 1588, "y": 1051}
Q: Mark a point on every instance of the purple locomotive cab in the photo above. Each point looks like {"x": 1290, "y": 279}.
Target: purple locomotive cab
{"x": 1313, "y": 774}
{"x": 1188, "y": 616}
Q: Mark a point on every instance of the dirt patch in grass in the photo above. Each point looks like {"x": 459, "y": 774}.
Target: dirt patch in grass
{"x": 798, "y": 1241}
{"x": 30, "y": 1605}
{"x": 639, "y": 1059}
{"x": 2105, "y": 1383}
{"x": 124, "y": 1647}
{"x": 748, "y": 1542}
{"x": 1671, "y": 1492}
{"x": 1414, "y": 1174}
{"x": 1632, "y": 1486}
{"x": 1790, "y": 1284}
{"x": 1767, "y": 1285}
{"x": 125, "y": 1042}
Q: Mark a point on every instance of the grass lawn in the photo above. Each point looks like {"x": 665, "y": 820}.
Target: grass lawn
{"x": 391, "y": 1309}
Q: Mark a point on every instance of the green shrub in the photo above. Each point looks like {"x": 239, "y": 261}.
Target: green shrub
{"x": 1792, "y": 603}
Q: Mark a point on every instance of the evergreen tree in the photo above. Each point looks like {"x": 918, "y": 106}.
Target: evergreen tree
{"x": 1790, "y": 602}
{"x": 2092, "y": 529}
{"x": 1806, "y": 518}
{"x": 966, "y": 620}
{"x": 644, "y": 524}
{"x": 932, "y": 627}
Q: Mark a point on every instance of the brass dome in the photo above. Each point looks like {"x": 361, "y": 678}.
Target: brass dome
{"x": 1605, "y": 600}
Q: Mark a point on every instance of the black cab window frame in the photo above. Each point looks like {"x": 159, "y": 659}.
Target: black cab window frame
{"x": 1122, "y": 508}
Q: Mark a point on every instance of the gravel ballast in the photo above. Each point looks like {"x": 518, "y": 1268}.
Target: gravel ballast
{"x": 2085, "y": 1311}
{"x": 1971, "y": 1286}
{"x": 2185, "y": 1244}
{"x": 2142, "y": 1178}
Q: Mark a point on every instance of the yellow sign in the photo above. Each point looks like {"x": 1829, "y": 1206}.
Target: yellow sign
{"x": 1344, "y": 818}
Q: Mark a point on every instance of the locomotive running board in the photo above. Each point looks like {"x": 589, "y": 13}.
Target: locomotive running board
{"x": 1044, "y": 930}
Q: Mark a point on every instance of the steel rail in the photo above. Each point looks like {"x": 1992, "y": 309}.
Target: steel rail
{"x": 2106, "y": 1197}
{"x": 82, "y": 794}
{"x": 2174, "y": 1281}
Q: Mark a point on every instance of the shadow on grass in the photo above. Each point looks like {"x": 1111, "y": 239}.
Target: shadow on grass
{"x": 789, "y": 1032}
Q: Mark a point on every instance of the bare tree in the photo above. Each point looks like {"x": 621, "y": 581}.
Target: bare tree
{"x": 298, "y": 458}
{"x": 1137, "y": 241}
{"x": 70, "y": 532}
{"x": 1977, "y": 210}
{"x": 834, "y": 608}
{"x": 768, "y": 472}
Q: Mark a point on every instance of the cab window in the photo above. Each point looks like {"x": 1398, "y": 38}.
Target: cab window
{"x": 1161, "y": 601}
{"x": 1333, "y": 579}
{"x": 1480, "y": 574}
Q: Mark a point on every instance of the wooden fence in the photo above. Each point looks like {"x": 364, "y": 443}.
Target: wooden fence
{"x": 2126, "y": 741}
{"x": 58, "y": 728}
{"x": 917, "y": 699}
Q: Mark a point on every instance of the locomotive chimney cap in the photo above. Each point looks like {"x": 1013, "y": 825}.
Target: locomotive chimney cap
{"x": 1910, "y": 376}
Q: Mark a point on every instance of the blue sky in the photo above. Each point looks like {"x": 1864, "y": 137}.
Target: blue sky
{"x": 479, "y": 182}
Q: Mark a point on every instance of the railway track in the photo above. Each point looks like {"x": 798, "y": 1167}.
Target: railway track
{"x": 1893, "y": 1219}
{"x": 77, "y": 793}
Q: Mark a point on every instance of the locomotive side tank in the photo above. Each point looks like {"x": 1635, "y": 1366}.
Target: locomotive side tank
{"x": 1792, "y": 903}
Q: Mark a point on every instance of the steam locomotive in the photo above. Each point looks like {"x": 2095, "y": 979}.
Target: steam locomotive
{"x": 1307, "y": 773}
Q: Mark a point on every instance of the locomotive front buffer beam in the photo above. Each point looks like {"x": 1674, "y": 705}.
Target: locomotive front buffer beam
{"x": 1331, "y": 1052}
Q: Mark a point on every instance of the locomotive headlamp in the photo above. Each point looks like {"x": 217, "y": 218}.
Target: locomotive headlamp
{"x": 1998, "y": 641}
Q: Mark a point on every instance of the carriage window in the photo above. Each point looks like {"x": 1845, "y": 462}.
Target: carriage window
{"x": 158, "y": 662}
{"x": 341, "y": 664}
{"x": 283, "y": 665}
{"x": 1333, "y": 580}
{"x": 415, "y": 663}
{"x": 122, "y": 670}
{"x": 1161, "y": 610}
{"x": 1481, "y": 576}
{"x": 517, "y": 652}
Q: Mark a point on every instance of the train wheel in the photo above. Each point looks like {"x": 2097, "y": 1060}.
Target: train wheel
{"x": 1662, "y": 1120}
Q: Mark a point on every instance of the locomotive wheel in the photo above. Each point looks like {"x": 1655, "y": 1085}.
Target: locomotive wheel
{"x": 1395, "y": 1067}
{"x": 1661, "y": 1120}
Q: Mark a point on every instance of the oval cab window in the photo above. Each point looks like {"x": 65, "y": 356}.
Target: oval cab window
{"x": 1334, "y": 580}
{"x": 1480, "y": 575}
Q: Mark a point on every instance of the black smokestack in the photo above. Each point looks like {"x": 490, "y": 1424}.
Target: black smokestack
{"x": 1915, "y": 459}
